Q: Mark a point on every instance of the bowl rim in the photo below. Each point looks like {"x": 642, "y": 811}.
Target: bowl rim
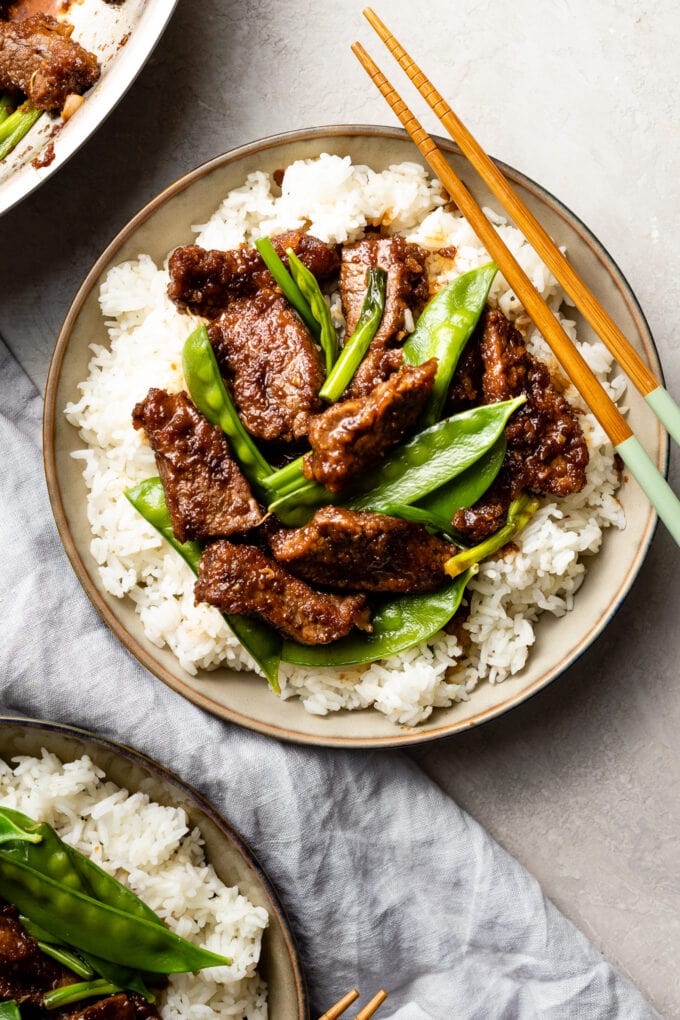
{"x": 205, "y": 806}
{"x": 128, "y": 64}
{"x": 401, "y": 738}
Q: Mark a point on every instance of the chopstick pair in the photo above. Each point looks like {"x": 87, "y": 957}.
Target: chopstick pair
{"x": 629, "y": 448}
{"x": 346, "y": 1001}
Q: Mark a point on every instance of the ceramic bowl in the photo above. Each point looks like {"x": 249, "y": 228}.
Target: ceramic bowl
{"x": 164, "y": 223}
{"x": 122, "y": 37}
{"x": 226, "y": 850}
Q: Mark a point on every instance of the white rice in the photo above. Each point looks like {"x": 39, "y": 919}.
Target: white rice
{"x": 336, "y": 202}
{"x": 150, "y": 848}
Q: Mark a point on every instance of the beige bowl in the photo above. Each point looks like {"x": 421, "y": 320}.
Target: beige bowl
{"x": 229, "y": 854}
{"x": 165, "y": 223}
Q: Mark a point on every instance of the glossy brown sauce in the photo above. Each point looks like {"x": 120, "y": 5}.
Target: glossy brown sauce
{"x": 26, "y": 8}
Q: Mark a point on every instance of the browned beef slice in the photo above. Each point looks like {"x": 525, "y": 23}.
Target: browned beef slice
{"x": 353, "y": 435}
{"x": 25, "y": 973}
{"x": 466, "y": 386}
{"x": 271, "y": 363}
{"x": 406, "y": 283}
{"x": 122, "y": 1006}
{"x": 206, "y": 493}
{"x": 243, "y": 579}
{"x": 378, "y": 365}
{"x": 547, "y": 450}
{"x": 38, "y": 58}
{"x": 363, "y": 552}
{"x": 205, "y": 281}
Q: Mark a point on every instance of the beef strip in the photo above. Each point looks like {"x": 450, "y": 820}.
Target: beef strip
{"x": 363, "y": 552}
{"x": 121, "y": 1006}
{"x": 242, "y": 579}
{"x": 353, "y": 435}
{"x": 26, "y": 973}
{"x": 406, "y": 283}
{"x": 38, "y": 58}
{"x": 378, "y": 365}
{"x": 206, "y": 494}
{"x": 547, "y": 451}
{"x": 271, "y": 363}
{"x": 206, "y": 281}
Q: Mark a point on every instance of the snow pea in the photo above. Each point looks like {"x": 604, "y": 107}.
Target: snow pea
{"x": 434, "y": 456}
{"x": 17, "y": 827}
{"x": 413, "y": 470}
{"x": 520, "y": 512}
{"x": 48, "y": 856}
{"x": 359, "y": 342}
{"x": 290, "y": 289}
{"x": 85, "y": 923}
{"x": 469, "y": 486}
{"x": 209, "y": 394}
{"x": 311, "y": 291}
{"x": 260, "y": 641}
{"x": 399, "y": 623}
{"x": 445, "y": 327}
{"x": 9, "y": 1010}
{"x": 417, "y": 515}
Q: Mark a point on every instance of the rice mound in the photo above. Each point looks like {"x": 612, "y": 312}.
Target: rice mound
{"x": 336, "y": 202}
{"x": 150, "y": 848}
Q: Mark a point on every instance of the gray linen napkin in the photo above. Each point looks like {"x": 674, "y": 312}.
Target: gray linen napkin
{"x": 386, "y": 881}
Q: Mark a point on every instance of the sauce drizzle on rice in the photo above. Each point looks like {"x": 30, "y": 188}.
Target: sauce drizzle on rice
{"x": 335, "y": 201}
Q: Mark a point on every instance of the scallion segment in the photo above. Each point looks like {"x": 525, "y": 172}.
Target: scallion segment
{"x": 356, "y": 346}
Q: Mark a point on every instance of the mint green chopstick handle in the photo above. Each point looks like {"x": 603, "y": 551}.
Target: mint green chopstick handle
{"x": 653, "y": 483}
{"x": 666, "y": 410}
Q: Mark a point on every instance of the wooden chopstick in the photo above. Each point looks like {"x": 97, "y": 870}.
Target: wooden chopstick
{"x": 341, "y": 1005}
{"x": 364, "y": 1014}
{"x": 628, "y": 358}
{"x": 612, "y": 421}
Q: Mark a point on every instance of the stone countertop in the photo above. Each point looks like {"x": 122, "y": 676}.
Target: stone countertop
{"x": 580, "y": 783}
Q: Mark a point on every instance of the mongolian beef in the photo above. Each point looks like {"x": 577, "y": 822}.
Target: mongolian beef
{"x": 357, "y": 430}
{"x": 274, "y": 372}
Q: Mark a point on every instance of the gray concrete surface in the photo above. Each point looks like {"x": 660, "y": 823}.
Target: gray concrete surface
{"x": 581, "y": 783}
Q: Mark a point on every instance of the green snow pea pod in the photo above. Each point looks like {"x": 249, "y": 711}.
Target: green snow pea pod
{"x": 18, "y": 828}
{"x": 445, "y": 327}
{"x": 311, "y": 291}
{"x": 209, "y": 394}
{"x": 360, "y": 340}
{"x": 259, "y": 640}
{"x": 417, "y": 515}
{"x": 85, "y": 923}
{"x": 434, "y": 456}
{"x": 412, "y": 470}
{"x": 398, "y": 624}
{"x": 290, "y": 289}
{"x": 9, "y": 1010}
{"x": 67, "y": 959}
{"x": 48, "y": 856}
{"x": 520, "y": 512}
{"x": 468, "y": 487}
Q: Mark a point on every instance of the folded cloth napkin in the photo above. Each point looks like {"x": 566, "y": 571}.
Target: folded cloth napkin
{"x": 386, "y": 881}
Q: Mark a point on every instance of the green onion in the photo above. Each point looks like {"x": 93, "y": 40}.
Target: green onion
{"x": 287, "y": 284}
{"x": 14, "y": 127}
{"x": 6, "y": 106}
{"x": 520, "y": 512}
{"x": 67, "y": 959}
{"x": 75, "y": 993}
{"x": 360, "y": 340}
{"x": 311, "y": 291}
